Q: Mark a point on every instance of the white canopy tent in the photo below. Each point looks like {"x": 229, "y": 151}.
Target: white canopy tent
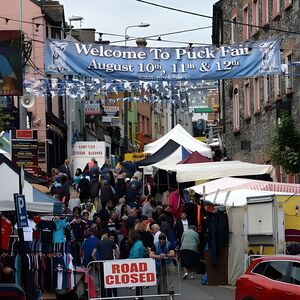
{"x": 235, "y": 202}
{"x": 230, "y": 183}
{"x": 172, "y": 159}
{"x": 238, "y": 197}
{"x": 183, "y": 138}
{"x": 10, "y": 185}
{"x": 213, "y": 170}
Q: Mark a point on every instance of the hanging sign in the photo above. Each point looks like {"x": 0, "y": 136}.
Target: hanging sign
{"x": 21, "y": 211}
{"x": 241, "y": 60}
{"x": 129, "y": 273}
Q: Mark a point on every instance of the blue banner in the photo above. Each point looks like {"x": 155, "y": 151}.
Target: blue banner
{"x": 250, "y": 59}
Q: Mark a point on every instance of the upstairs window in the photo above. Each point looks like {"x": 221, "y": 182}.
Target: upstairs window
{"x": 265, "y": 12}
{"x": 236, "y": 110}
{"x": 289, "y": 76}
{"x": 266, "y": 90}
{"x": 247, "y": 100}
{"x": 276, "y": 86}
{"x": 246, "y": 22}
{"x": 276, "y": 8}
{"x": 288, "y": 3}
{"x": 255, "y": 17}
{"x": 256, "y": 95}
{"x": 234, "y": 30}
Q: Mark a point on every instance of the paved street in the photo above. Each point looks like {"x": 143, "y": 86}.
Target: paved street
{"x": 192, "y": 290}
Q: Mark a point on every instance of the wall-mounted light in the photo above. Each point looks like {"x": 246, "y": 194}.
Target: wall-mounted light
{"x": 297, "y": 210}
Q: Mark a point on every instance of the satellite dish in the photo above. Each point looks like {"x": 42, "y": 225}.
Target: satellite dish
{"x": 27, "y": 100}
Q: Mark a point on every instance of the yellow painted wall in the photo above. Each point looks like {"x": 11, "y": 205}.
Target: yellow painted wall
{"x": 291, "y": 220}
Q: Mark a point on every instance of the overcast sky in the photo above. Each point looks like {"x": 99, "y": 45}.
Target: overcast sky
{"x": 113, "y": 16}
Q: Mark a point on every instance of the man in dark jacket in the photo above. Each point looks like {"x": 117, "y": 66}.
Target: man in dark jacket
{"x": 64, "y": 168}
{"x": 84, "y": 189}
{"x": 180, "y": 226}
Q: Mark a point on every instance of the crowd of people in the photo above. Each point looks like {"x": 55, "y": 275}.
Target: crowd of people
{"x": 110, "y": 213}
{"x": 106, "y": 201}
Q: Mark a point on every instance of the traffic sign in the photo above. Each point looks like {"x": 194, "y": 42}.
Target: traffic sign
{"x": 203, "y": 110}
{"x": 21, "y": 210}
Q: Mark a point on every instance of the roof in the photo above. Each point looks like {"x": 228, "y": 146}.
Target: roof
{"x": 183, "y": 138}
{"x": 53, "y": 10}
{"x": 160, "y": 154}
{"x": 237, "y": 197}
{"x": 195, "y": 157}
{"x": 30, "y": 178}
{"x": 36, "y": 201}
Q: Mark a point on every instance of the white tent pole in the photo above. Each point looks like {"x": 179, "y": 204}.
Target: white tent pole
{"x": 204, "y": 193}
{"x": 226, "y": 198}
{"x": 216, "y": 195}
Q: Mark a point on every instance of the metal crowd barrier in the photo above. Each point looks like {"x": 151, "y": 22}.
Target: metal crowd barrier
{"x": 133, "y": 278}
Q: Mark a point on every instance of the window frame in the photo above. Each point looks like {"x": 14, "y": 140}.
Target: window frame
{"x": 236, "y": 110}
{"x": 256, "y": 95}
{"x": 234, "y": 29}
{"x": 265, "y": 13}
{"x": 289, "y": 79}
{"x": 276, "y": 8}
{"x": 246, "y": 21}
{"x": 247, "y": 106}
{"x": 290, "y": 275}
{"x": 286, "y": 276}
{"x": 255, "y": 16}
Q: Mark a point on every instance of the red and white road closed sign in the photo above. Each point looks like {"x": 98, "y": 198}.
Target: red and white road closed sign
{"x": 129, "y": 272}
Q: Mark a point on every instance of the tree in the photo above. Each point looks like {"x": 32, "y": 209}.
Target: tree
{"x": 286, "y": 145}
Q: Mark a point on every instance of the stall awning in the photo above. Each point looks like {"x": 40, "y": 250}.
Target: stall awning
{"x": 230, "y": 183}
{"x": 214, "y": 170}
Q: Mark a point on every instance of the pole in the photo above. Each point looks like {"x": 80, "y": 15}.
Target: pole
{"x": 22, "y": 109}
{"x": 126, "y": 94}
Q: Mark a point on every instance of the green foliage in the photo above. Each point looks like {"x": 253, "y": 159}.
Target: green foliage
{"x": 286, "y": 145}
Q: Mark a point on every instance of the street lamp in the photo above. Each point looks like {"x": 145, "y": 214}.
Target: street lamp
{"x": 127, "y": 93}
{"x": 130, "y": 26}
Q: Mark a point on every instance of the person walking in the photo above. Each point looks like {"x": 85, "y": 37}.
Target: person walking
{"x": 164, "y": 253}
{"x": 137, "y": 251}
{"x": 107, "y": 250}
{"x": 180, "y": 226}
{"x": 189, "y": 251}
{"x": 65, "y": 169}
